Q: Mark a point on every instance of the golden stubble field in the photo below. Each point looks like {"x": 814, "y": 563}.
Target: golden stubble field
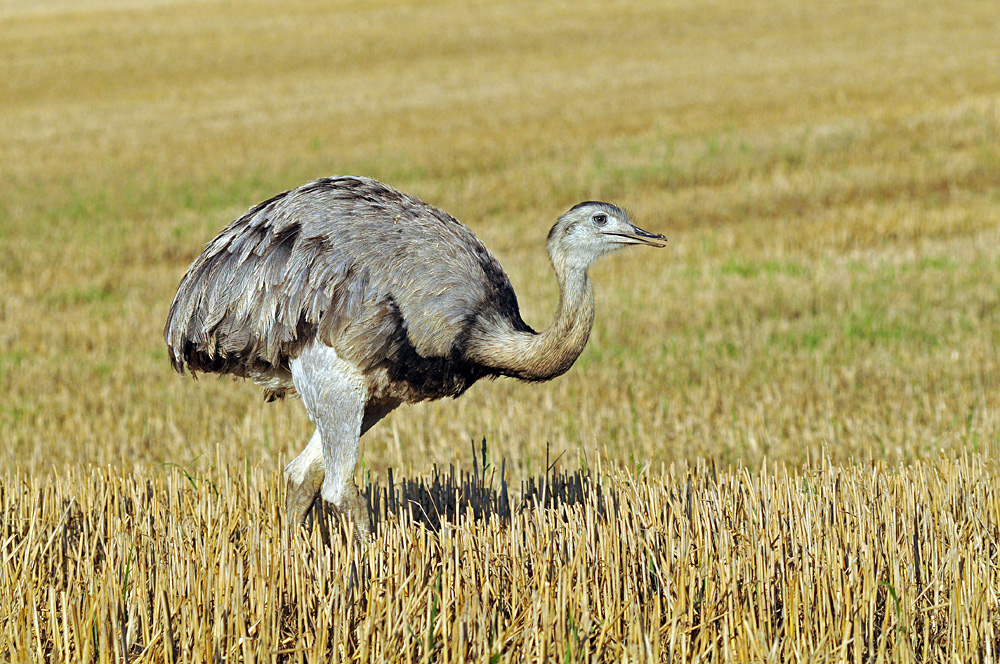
{"x": 780, "y": 444}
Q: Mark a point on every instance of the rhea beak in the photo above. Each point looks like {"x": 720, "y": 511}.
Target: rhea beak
{"x": 638, "y": 236}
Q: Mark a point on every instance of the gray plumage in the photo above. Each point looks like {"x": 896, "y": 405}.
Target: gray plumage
{"x": 381, "y": 276}
{"x": 411, "y": 303}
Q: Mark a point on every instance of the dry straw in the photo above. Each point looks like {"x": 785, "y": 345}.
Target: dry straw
{"x": 691, "y": 564}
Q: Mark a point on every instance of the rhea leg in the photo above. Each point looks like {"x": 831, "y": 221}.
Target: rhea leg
{"x": 305, "y": 474}
{"x": 334, "y": 395}
{"x": 304, "y": 477}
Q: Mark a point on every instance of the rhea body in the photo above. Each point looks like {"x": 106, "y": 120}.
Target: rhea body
{"x": 360, "y": 298}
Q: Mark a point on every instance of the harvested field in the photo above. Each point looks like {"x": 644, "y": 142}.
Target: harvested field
{"x": 857, "y": 564}
{"x": 781, "y": 443}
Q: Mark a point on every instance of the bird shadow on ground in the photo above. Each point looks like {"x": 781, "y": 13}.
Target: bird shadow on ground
{"x": 455, "y": 496}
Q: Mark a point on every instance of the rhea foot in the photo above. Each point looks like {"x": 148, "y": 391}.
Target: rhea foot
{"x": 352, "y": 509}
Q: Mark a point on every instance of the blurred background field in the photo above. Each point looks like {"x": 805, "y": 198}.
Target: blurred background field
{"x": 828, "y": 176}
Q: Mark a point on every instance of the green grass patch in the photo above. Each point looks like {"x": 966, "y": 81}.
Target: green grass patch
{"x": 750, "y": 269}
{"x": 874, "y": 328}
{"x": 73, "y": 296}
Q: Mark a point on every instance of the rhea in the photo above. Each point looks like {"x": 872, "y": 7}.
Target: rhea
{"x": 360, "y": 298}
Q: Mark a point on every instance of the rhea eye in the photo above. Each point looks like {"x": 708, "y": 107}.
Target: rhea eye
{"x": 600, "y": 219}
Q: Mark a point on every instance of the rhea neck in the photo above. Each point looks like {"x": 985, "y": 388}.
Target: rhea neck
{"x": 541, "y": 356}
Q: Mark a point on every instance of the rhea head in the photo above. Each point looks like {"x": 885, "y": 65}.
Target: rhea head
{"x": 591, "y": 230}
